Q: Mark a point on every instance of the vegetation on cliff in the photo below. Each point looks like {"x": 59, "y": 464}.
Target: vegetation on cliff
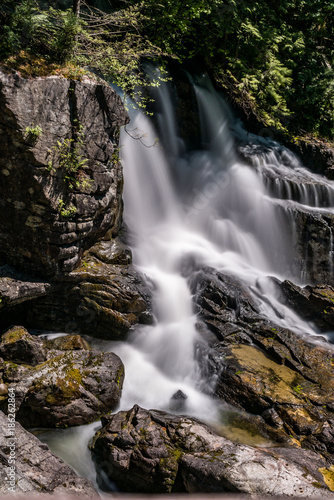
{"x": 275, "y": 61}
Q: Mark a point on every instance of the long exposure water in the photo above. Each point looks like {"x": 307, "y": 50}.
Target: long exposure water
{"x": 207, "y": 205}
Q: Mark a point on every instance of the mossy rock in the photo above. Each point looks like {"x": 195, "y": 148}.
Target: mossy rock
{"x": 73, "y": 388}
{"x": 69, "y": 342}
{"x": 18, "y": 345}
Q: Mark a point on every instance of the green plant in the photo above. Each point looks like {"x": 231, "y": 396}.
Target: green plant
{"x": 66, "y": 213}
{"x": 70, "y": 152}
{"x": 33, "y": 132}
{"x": 297, "y": 389}
{"x": 72, "y": 162}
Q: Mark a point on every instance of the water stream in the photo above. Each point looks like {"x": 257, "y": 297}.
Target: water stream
{"x": 208, "y": 205}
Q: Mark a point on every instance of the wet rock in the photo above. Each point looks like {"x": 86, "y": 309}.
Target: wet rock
{"x": 314, "y": 303}
{"x": 177, "y": 402}
{"x": 36, "y": 468}
{"x": 252, "y": 430}
{"x": 73, "y": 388}
{"x": 317, "y": 155}
{"x": 156, "y": 452}
{"x": 47, "y": 221}
{"x": 263, "y": 368}
{"x": 98, "y": 299}
{"x": 68, "y": 343}
{"x": 112, "y": 252}
{"x": 314, "y": 232}
{"x": 19, "y": 346}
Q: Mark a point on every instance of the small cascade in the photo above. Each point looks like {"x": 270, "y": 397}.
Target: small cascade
{"x": 286, "y": 179}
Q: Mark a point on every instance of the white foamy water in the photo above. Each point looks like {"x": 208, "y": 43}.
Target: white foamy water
{"x": 207, "y": 205}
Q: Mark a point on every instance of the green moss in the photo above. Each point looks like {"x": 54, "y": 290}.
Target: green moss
{"x": 13, "y": 335}
{"x": 120, "y": 377}
{"x": 177, "y": 454}
{"x": 63, "y": 392}
{"x": 75, "y": 374}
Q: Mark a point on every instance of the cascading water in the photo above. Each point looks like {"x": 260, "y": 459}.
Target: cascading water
{"x": 204, "y": 205}
{"x": 160, "y": 359}
{"x": 207, "y": 205}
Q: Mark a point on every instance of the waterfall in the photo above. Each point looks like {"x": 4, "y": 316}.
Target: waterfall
{"x": 208, "y": 205}
{"x": 160, "y": 359}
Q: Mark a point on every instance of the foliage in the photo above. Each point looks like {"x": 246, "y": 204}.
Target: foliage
{"x": 33, "y": 132}
{"x": 111, "y": 44}
{"x": 66, "y": 213}
{"x": 72, "y": 162}
{"x": 274, "y": 60}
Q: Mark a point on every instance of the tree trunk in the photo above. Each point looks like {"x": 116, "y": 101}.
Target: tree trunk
{"x": 76, "y": 7}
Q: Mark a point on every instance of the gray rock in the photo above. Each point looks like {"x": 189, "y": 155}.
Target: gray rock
{"x": 153, "y": 451}
{"x": 73, "y": 388}
{"x": 36, "y": 468}
{"x": 13, "y": 291}
{"x": 98, "y": 299}
{"x": 19, "y": 346}
{"x": 33, "y": 185}
{"x": 261, "y": 366}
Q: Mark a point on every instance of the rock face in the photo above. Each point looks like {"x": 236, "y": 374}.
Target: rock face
{"x": 36, "y": 468}
{"x": 266, "y": 369}
{"x": 72, "y": 386}
{"x": 60, "y": 196}
{"x": 314, "y": 303}
{"x": 98, "y": 298}
{"x": 314, "y": 232}
{"x": 61, "y": 183}
{"x": 156, "y": 452}
{"x": 317, "y": 155}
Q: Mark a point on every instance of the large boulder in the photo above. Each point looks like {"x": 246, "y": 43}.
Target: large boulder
{"x": 61, "y": 181}
{"x": 19, "y": 346}
{"x": 156, "y": 452}
{"x": 36, "y": 469}
{"x": 263, "y": 368}
{"x": 105, "y": 296}
{"x": 97, "y": 298}
{"x": 73, "y": 387}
